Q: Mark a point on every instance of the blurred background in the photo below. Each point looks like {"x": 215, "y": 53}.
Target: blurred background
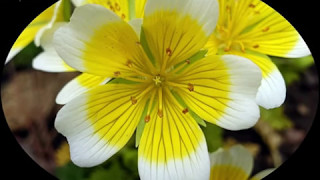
{"x": 28, "y": 101}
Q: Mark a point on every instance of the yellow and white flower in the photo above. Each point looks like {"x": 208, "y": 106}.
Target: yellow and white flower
{"x": 157, "y": 84}
{"x": 252, "y": 29}
{"x": 35, "y": 30}
{"x": 50, "y": 61}
{"x": 234, "y": 163}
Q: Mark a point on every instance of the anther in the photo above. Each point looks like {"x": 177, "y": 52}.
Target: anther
{"x": 147, "y": 118}
{"x": 190, "y": 87}
{"x": 160, "y": 113}
{"x": 227, "y": 49}
{"x": 117, "y": 73}
{"x": 228, "y": 8}
{"x": 133, "y": 100}
{"x": 266, "y": 29}
{"x": 185, "y": 111}
{"x": 138, "y": 43}
{"x": 188, "y": 61}
{"x": 168, "y": 52}
{"x": 252, "y": 5}
{"x": 112, "y": 8}
{"x": 256, "y": 46}
{"x": 117, "y": 7}
{"x": 123, "y": 16}
{"x": 129, "y": 64}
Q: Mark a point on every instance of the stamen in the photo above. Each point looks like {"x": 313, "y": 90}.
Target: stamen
{"x": 188, "y": 61}
{"x": 123, "y": 16}
{"x": 256, "y": 46}
{"x": 227, "y": 49}
{"x": 185, "y": 111}
{"x": 117, "y": 73}
{"x": 160, "y": 113}
{"x": 169, "y": 52}
{"x": 266, "y": 29}
{"x": 129, "y": 64}
{"x": 117, "y": 7}
{"x": 112, "y": 8}
{"x": 151, "y": 103}
{"x": 252, "y": 5}
{"x": 133, "y": 100}
{"x": 190, "y": 87}
{"x": 228, "y": 8}
{"x": 147, "y": 118}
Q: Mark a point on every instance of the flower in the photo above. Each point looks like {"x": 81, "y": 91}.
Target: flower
{"x": 252, "y": 29}
{"x": 159, "y": 87}
{"x": 35, "y": 30}
{"x": 234, "y": 163}
{"x": 50, "y": 61}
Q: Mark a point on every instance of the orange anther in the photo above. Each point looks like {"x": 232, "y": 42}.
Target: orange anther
{"x": 133, "y": 100}
{"x": 185, "y": 111}
{"x": 147, "y": 118}
{"x": 129, "y": 64}
{"x": 190, "y": 87}
{"x": 160, "y": 113}
{"x": 252, "y": 5}
{"x": 117, "y": 73}
{"x": 266, "y": 29}
{"x": 169, "y": 52}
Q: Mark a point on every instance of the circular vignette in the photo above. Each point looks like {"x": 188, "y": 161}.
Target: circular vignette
{"x": 303, "y": 155}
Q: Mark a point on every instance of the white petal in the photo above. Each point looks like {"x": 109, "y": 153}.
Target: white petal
{"x": 206, "y": 12}
{"x": 78, "y": 86}
{"x": 236, "y": 158}
{"x": 300, "y": 50}
{"x": 49, "y": 25}
{"x": 272, "y": 91}
{"x": 99, "y": 123}
{"x": 50, "y": 61}
{"x": 262, "y": 174}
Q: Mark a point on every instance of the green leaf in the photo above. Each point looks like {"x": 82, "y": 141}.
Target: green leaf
{"x": 67, "y": 9}
{"x": 24, "y": 58}
{"x": 292, "y": 68}
{"x": 70, "y": 171}
{"x": 214, "y": 136}
{"x": 276, "y": 118}
{"x": 121, "y": 81}
{"x": 114, "y": 172}
{"x": 145, "y": 46}
{"x": 141, "y": 125}
{"x": 193, "y": 114}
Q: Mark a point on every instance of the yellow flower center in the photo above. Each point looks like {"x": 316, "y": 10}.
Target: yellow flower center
{"x": 158, "y": 80}
{"x": 231, "y": 29}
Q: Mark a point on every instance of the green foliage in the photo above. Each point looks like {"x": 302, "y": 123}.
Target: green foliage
{"x": 67, "y": 9}
{"x": 24, "y": 58}
{"x": 276, "y": 118}
{"x": 291, "y": 69}
{"x": 70, "y": 171}
{"x": 214, "y": 136}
